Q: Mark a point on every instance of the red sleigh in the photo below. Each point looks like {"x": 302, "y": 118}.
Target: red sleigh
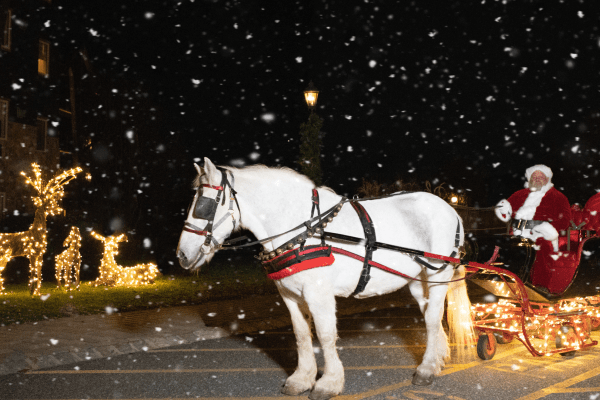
{"x": 555, "y": 272}
{"x": 536, "y": 301}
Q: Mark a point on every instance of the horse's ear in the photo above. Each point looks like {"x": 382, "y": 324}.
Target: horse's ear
{"x": 198, "y": 169}
{"x": 211, "y": 171}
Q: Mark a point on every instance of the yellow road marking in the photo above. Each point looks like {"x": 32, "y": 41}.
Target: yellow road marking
{"x": 201, "y": 370}
{"x": 354, "y": 331}
{"x": 562, "y": 386}
{"x": 547, "y": 363}
{"x": 256, "y": 349}
{"x": 452, "y": 369}
{"x": 578, "y": 390}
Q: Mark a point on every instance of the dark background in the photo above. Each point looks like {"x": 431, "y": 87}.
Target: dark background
{"x": 466, "y": 93}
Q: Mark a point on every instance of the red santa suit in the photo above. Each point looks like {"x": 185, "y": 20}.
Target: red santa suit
{"x": 551, "y": 213}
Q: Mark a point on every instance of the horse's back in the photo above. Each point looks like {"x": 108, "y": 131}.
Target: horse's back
{"x": 416, "y": 218}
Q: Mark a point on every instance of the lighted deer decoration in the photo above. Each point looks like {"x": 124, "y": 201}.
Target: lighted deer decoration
{"x": 112, "y": 274}
{"x": 68, "y": 263}
{"x": 32, "y": 243}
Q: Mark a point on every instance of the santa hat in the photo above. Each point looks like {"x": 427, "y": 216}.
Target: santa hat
{"x": 545, "y": 170}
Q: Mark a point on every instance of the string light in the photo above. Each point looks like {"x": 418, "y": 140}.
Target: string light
{"x": 112, "y": 274}
{"x": 32, "y": 243}
{"x": 547, "y": 328}
{"x": 68, "y": 263}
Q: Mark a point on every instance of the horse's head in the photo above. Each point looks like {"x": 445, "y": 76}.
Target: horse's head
{"x": 211, "y": 217}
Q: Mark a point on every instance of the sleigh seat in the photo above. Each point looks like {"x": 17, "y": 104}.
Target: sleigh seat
{"x": 553, "y": 272}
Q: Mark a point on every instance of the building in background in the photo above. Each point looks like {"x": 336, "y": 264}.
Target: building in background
{"x": 32, "y": 112}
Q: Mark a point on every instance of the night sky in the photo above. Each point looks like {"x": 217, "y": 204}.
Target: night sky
{"x": 469, "y": 93}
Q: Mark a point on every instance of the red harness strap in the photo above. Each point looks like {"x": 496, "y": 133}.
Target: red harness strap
{"x": 373, "y": 263}
{"x": 290, "y": 258}
{"x": 197, "y": 232}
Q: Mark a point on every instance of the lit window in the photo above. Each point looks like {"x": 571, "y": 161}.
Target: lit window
{"x": 3, "y": 118}
{"x": 44, "y": 58}
{"x": 42, "y": 131}
{"x": 6, "y": 29}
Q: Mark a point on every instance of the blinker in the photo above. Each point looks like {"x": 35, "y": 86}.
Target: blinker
{"x": 205, "y": 208}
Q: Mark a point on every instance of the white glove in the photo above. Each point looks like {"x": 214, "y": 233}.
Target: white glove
{"x": 546, "y": 231}
{"x": 503, "y": 210}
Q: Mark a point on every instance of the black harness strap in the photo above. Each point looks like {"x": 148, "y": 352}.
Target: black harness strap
{"x": 315, "y": 200}
{"x": 311, "y": 230}
{"x": 369, "y": 230}
{"x": 424, "y": 263}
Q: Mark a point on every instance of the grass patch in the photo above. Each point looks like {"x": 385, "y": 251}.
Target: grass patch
{"x": 215, "y": 282}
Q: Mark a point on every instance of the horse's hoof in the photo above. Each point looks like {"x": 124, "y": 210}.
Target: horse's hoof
{"x": 421, "y": 380}
{"x": 289, "y": 390}
{"x": 320, "y": 395}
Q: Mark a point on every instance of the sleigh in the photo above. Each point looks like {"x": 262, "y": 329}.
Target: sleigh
{"x": 540, "y": 301}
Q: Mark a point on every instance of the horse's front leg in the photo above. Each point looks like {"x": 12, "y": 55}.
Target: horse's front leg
{"x": 304, "y": 377}
{"x": 321, "y": 303}
{"x": 437, "y": 350}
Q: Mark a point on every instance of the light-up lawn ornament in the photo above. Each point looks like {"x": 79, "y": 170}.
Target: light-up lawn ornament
{"x": 32, "y": 243}
{"x": 68, "y": 263}
{"x": 112, "y": 274}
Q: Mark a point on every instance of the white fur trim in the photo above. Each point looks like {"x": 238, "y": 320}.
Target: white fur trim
{"x": 545, "y": 170}
{"x": 503, "y": 210}
{"x": 533, "y": 200}
{"x": 546, "y": 230}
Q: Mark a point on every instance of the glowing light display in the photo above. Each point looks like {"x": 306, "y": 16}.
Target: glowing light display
{"x": 68, "y": 263}
{"x": 32, "y": 243}
{"x": 549, "y": 329}
{"x": 112, "y": 274}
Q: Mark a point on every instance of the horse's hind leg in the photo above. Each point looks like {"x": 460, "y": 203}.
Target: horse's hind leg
{"x": 321, "y": 303}
{"x": 437, "y": 350}
{"x": 304, "y": 377}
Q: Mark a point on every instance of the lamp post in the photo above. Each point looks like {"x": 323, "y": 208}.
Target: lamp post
{"x": 310, "y": 138}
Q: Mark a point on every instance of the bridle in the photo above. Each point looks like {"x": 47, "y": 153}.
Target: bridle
{"x": 206, "y": 208}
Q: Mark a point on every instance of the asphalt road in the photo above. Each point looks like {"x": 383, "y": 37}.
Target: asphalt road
{"x": 380, "y": 351}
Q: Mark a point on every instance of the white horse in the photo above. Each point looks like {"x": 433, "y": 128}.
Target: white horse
{"x": 271, "y": 201}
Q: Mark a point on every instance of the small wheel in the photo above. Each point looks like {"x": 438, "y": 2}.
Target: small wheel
{"x": 503, "y": 338}
{"x": 486, "y": 346}
{"x": 595, "y": 324}
{"x": 567, "y": 334}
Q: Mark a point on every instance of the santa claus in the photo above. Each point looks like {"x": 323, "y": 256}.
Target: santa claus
{"x": 539, "y": 210}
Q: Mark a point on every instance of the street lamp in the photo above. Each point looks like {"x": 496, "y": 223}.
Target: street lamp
{"x": 310, "y": 138}
{"x": 310, "y": 95}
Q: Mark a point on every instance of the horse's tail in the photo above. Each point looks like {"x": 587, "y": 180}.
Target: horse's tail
{"x": 460, "y": 321}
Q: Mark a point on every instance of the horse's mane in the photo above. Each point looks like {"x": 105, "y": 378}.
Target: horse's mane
{"x": 261, "y": 168}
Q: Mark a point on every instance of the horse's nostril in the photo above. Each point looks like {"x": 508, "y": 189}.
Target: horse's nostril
{"x": 182, "y": 258}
